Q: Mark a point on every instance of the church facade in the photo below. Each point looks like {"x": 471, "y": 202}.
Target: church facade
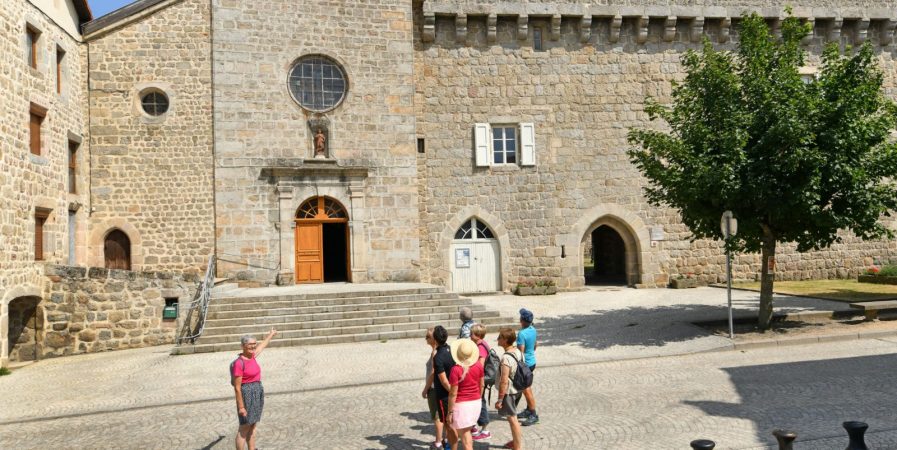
{"x": 471, "y": 144}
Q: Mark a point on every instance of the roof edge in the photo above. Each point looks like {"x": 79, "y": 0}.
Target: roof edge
{"x": 120, "y": 15}
{"x": 84, "y": 13}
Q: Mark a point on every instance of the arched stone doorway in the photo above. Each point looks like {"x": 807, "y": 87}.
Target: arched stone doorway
{"x": 26, "y": 320}
{"x": 117, "y": 250}
{"x": 322, "y": 241}
{"x": 475, "y": 258}
{"x": 610, "y": 253}
{"x": 608, "y": 257}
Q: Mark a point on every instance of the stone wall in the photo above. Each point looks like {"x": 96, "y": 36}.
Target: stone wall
{"x": 583, "y": 92}
{"x": 28, "y": 181}
{"x": 152, "y": 176}
{"x": 262, "y": 136}
{"x": 91, "y": 310}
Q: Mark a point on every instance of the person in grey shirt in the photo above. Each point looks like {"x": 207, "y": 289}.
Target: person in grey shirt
{"x": 467, "y": 322}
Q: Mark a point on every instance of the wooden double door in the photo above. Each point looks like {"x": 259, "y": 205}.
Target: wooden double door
{"x": 322, "y": 242}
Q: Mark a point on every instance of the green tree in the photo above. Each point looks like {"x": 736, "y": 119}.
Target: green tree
{"x": 795, "y": 160}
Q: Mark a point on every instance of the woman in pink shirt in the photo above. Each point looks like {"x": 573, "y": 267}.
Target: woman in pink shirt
{"x": 246, "y": 377}
{"x": 466, "y": 380}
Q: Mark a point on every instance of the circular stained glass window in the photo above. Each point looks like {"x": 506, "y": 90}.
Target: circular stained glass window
{"x": 154, "y": 103}
{"x": 317, "y": 83}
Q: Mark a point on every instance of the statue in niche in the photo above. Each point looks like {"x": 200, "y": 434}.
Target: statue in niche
{"x": 320, "y": 144}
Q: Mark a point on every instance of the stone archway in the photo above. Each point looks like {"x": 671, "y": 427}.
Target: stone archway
{"x": 628, "y": 225}
{"x": 322, "y": 241}
{"x": 14, "y": 294}
{"x": 615, "y": 253}
{"x": 97, "y": 242}
{"x": 25, "y": 326}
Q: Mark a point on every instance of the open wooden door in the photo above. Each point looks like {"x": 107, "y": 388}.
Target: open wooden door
{"x": 309, "y": 253}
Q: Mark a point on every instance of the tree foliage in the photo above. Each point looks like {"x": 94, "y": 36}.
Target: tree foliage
{"x": 796, "y": 160}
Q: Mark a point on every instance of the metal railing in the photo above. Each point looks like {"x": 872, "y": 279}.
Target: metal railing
{"x": 196, "y": 316}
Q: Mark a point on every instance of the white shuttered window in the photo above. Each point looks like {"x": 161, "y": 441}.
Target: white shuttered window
{"x": 504, "y": 144}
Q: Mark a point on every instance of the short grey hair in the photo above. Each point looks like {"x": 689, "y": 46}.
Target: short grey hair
{"x": 246, "y": 339}
{"x": 466, "y": 314}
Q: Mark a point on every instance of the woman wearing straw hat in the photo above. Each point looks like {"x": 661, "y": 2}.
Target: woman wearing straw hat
{"x": 466, "y": 380}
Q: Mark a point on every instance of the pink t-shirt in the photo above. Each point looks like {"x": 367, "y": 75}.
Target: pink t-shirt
{"x": 484, "y": 349}
{"x": 248, "y": 369}
{"x": 469, "y": 387}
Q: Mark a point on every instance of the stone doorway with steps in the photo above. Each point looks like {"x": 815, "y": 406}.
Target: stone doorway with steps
{"x": 322, "y": 242}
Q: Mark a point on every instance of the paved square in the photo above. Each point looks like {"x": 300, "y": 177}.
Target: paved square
{"x": 366, "y": 396}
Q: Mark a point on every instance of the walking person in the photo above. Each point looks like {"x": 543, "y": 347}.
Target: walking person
{"x": 478, "y": 335}
{"x": 246, "y": 378}
{"x": 442, "y": 368}
{"x": 429, "y": 392}
{"x": 466, "y": 380}
{"x": 508, "y": 397}
{"x": 526, "y": 343}
{"x": 466, "y": 316}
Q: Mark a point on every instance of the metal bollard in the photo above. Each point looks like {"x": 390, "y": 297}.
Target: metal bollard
{"x": 703, "y": 444}
{"x": 785, "y": 438}
{"x": 856, "y": 432}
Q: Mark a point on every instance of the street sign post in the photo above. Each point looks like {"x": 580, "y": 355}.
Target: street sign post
{"x": 729, "y": 226}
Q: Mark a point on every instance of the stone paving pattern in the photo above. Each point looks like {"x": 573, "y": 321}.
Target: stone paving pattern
{"x": 590, "y": 396}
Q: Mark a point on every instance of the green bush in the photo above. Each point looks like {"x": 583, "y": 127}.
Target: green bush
{"x": 888, "y": 271}
{"x": 4, "y": 371}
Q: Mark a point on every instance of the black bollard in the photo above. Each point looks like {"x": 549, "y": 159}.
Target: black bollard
{"x": 856, "y": 431}
{"x": 785, "y": 438}
{"x": 703, "y": 444}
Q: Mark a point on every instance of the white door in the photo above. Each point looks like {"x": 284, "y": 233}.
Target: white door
{"x": 475, "y": 259}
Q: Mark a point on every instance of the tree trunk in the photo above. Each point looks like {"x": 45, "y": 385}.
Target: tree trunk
{"x": 766, "y": 280}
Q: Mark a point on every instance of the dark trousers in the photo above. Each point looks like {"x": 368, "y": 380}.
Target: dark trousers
{"x": 484, "y": 413}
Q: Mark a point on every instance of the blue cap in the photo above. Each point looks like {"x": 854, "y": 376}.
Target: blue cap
{"x": 526, "y": 315}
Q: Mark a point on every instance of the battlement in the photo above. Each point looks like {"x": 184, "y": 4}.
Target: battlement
{"x": 691, "y": 22}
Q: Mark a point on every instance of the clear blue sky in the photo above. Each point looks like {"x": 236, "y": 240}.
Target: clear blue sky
{"x": 103, "y": 7}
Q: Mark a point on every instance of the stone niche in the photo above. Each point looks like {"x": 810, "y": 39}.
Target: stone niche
{"x": 319, "y": 130}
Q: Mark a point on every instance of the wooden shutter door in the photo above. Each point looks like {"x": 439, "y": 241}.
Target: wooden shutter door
{"x": 117, "y": 251}
{"x": 39, "y": 237}
{"x": 309, "y": 253}
{"x": 35, "y": 133}
{"x": 482, "y": 142}
{"x": 527, "y": 144}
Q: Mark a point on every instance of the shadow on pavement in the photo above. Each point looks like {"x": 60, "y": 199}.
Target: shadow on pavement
{"x": 213, "y": 443}
{"x": 811, "y": 398}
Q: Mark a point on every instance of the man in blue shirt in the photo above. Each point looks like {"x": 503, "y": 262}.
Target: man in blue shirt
{"x": 526, "y": 342}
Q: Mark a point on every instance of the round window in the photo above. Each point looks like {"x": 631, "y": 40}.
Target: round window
{"x": 317, "y": 83}
{"x": 154, "y": 103}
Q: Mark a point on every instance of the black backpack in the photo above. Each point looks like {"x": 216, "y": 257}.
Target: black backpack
{"x": 523, "y": 378}
{"x": 491, "y": 368}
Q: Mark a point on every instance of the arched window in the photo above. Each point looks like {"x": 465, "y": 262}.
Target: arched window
{"x": 117, "y": 250}
{"x": 474, "y": 229}
{"x": 321, "y": 208}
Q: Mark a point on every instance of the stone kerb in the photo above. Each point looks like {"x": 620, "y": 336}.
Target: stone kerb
{"x": 444, "y": 272}
{"x": 95, "y": 309}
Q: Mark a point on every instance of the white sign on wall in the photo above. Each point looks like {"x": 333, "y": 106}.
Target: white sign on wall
{"x": 657, "y": 234}
{"x": 462, "y": 258}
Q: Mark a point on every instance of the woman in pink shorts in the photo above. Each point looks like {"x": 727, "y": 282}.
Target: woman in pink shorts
{"x": 466, "y": 380}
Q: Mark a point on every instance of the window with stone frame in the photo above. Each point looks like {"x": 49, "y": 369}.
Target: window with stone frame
{"x": 317, "y": 83}
{"x": 60, "y": 57}
{"x": 40, "y": 218}
{"x": 73, "y": 167}
{"x": 504, "y": 144}
{"x": 32, "y": 39}
{"x": 474, "y": 229}
{"x": 537, "y": 39}
{"x": 36, "y": 115}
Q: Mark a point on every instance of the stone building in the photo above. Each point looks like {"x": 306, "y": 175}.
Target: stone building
{"x": 467, "y": 143}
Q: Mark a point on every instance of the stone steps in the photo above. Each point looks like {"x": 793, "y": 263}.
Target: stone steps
{"x": 234, "y": 345}
{"x": 353, "y": 304}
{"x": 306, "y": 316}
{"x": 293, "y": 315}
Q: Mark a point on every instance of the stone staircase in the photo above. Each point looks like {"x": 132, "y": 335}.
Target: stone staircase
{"x": 343, "y": 313}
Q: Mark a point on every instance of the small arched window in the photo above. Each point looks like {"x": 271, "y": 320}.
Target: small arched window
{"x": 474, "y": 229}
{"x": 117, "y": 250}
{"x": 321, "y": 208}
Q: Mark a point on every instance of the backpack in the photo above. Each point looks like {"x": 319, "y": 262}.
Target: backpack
{"x": 231, "y": 373}
{"x": 491, "y": 368}
{"x": 523, "y": 378}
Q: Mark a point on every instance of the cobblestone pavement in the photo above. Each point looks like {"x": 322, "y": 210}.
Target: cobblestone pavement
{"x": 590, "y": 395}
{"x": 735, "y": 398}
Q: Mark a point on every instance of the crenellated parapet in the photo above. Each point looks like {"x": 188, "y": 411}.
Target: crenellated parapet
{"x": 717, "y": 22}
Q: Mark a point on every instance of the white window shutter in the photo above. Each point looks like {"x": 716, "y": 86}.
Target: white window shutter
{"x": 527, "y": 144}
{"x": 481, "y": 143}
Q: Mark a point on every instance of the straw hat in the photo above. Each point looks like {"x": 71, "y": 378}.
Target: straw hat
{"x": 465, "y": 352}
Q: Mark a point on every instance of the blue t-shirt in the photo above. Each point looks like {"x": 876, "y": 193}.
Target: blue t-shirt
{"x": 527, "y": 338}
